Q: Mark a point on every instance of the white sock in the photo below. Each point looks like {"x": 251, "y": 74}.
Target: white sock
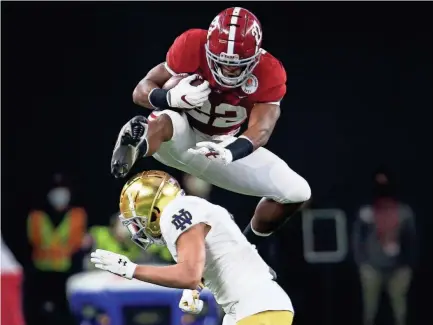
{"x": 259, "y": 233}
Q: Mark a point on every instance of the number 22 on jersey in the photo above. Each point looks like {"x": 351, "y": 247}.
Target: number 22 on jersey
{"x": 222, "y": 115}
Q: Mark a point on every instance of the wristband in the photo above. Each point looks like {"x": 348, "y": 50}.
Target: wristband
{"x": 158, "y": 98}
{"x": 240, "y": 148}
{"x": 130, "y": 270}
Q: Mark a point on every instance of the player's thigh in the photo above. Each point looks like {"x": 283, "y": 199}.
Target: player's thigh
{"x": 271, "y": 317}
{"x": 174, "y": 152}
{"x": 261, "y": 174}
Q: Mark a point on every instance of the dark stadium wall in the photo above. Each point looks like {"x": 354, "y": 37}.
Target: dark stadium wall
{"x": 359, "y": 95}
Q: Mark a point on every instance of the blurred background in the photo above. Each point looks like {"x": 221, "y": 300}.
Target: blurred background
{"x": 356, "y": 123}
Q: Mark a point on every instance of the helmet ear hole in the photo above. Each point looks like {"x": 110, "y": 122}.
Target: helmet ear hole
{"x": 153, "y": 217}
{"x": 155, "y": 214}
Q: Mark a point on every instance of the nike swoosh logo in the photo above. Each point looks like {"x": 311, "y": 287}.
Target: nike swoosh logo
{"x": 184, "y": 99}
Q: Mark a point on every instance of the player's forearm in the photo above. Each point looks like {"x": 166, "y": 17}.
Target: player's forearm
{"x": 173, "y": 276}
{"x": 262, "y": 120}
{"x": 140, "y": 96}
{"x": 155, "y": 78}
{"x": 255, "y": 137}
{"x": 259, "y": 135}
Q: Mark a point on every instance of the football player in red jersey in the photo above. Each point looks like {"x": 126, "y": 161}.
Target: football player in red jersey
{"x": 193, "y": 128}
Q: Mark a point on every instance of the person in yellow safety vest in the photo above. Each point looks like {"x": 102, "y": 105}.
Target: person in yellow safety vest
{"x": 53, "y": 246}
{"x": 116, "y": 239}
{"x": 55, "y": 234}
{"x": 109, "y": 237}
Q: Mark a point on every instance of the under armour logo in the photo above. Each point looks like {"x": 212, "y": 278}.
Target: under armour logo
{"x": 122, "y": 261}
{"x": 181, "y": 219}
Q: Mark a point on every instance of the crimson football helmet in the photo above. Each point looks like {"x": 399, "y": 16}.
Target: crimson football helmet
{"x": 234, "y": 42}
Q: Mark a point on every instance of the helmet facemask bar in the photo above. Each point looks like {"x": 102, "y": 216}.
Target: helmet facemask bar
{"x": 137, "y": 228}
{"x": 247, "y": 65}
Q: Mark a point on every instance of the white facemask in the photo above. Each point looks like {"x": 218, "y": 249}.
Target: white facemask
{"x": 59, "y": 197}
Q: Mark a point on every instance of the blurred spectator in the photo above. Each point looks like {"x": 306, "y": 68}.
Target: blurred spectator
{"x": 11, "y": 279}
{"x": 385, "y": 249}
{"x": 114, "y": 237}
{"x": 196, "y": 186}
{"x": 55, "y": 234}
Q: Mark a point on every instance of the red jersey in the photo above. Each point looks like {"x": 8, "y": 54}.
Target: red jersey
{"x": 227, "y": 109}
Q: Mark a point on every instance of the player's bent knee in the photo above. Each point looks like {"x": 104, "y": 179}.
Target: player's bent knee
{"x": 302, "y": 191}
{"x": 291, "y": 187}
{"x": 298, "y": 192}
{"x": 178, "y": 121}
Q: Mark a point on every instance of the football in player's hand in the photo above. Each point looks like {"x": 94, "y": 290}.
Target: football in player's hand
{"x": 197, "y": 82}
{"x": 173, "y": 81}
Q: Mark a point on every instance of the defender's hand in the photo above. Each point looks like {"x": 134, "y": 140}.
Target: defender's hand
{"x": 186, "y": 96}
{"x": 114, "y": 263}
{"x": 190, "y": 302}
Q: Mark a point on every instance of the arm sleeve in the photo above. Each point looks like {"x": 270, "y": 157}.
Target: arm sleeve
{"x": 273, "y": 95}
{"x": 184, "y": 54}
{"x": 273, "y": 87}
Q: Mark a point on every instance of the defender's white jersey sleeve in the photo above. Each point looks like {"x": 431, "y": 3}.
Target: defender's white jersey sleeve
{"x": 180, "y": 215}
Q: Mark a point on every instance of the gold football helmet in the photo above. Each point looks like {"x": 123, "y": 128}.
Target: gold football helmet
{"x": 142, "y": 202}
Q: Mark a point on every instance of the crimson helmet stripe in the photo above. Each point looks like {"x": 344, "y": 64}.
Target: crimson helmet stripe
{"x": 232, "y": 31}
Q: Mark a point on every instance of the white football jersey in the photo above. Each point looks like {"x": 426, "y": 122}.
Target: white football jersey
{"x": 234, "y": 271}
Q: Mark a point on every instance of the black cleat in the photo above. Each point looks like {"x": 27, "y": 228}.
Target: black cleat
{"x": 131, "y": 144}
{"x": 122, "y": 161}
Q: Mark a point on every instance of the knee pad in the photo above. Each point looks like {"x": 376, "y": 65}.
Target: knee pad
{"x": 290, "y": 186}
